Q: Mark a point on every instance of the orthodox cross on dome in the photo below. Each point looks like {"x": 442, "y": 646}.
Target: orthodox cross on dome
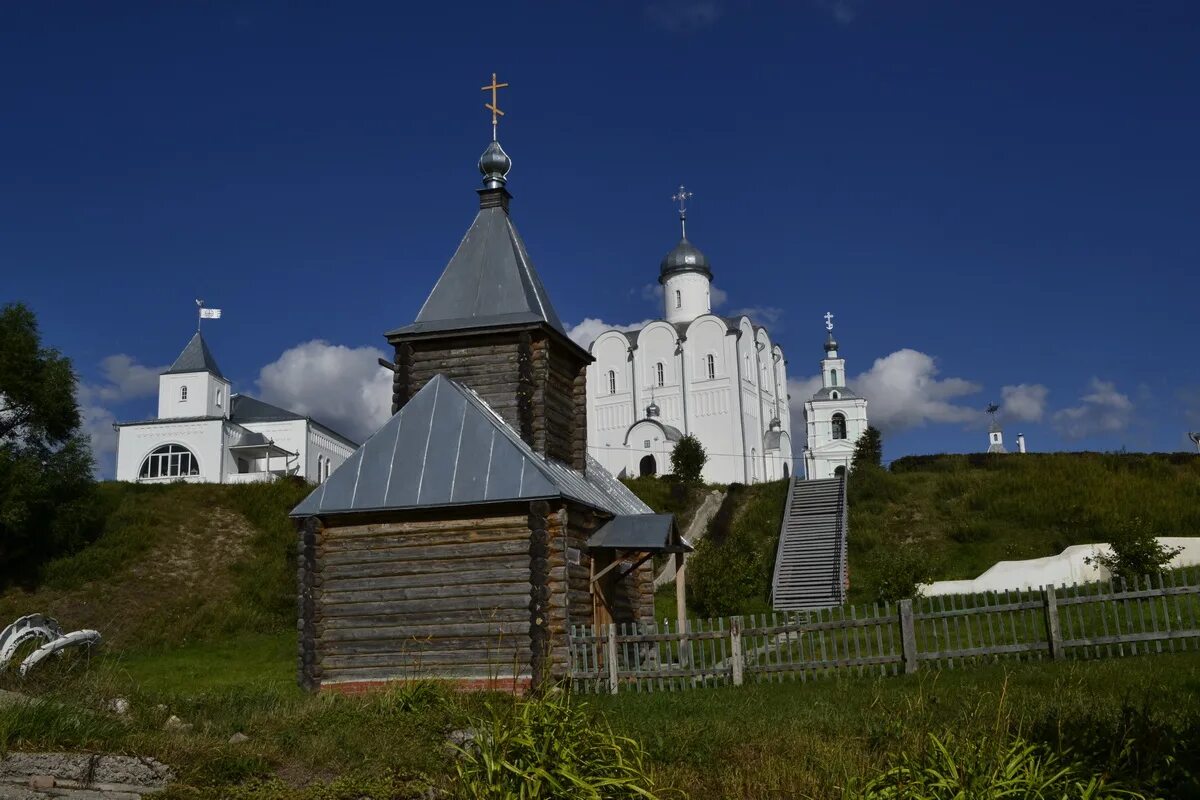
{"x": 494, "y": 106}
{"x": 681, "y": 197}
{"x": 829, "y": 321}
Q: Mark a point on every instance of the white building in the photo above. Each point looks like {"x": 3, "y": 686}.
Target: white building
{"x": 835, "y": 417}
{"x": 718, "y": 378}
{"x": 205, "y": 434}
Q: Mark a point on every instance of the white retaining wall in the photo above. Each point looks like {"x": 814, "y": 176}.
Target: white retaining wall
{"x": 1063, "y": 569}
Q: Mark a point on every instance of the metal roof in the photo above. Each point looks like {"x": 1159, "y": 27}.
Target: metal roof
{"x": 671, "y": 433}
{"x": 490, "y": 281}
{"x": 196, "y": 357}
{"x": 684, "y": 257}
{"x": 844, "y": 393}
{"x": 639, "y": 532}
{"x": 243, "y": 408}
{"x": 447, "y": 447}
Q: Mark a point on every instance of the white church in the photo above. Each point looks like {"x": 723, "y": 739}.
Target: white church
{"x": 834, "y": 417}
{"x": 718, "y": 378}
{"x": 206, "y": 434}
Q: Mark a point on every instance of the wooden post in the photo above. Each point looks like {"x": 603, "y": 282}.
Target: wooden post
{"x": 612, "y": 658}
{"x": 738, "y": 659}
{"x": 685, "y": 655}
{"x": 908, "y": 637}
{"x": 1053, "y": 631}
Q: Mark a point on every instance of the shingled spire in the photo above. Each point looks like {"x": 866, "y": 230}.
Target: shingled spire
{"x": 489, "y": 324}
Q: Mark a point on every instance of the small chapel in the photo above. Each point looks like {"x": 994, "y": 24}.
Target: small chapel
{"x": 204, "y": 433}
{"x": 720, "y": 379}
{"x": 466, "y": 535}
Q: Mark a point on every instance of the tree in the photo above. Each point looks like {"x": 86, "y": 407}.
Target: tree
{"x": 45, "y": 463}
{"x": 868, "y": 450}
{"x": 688, "y": 459}
{"x": 1136, "y": 552}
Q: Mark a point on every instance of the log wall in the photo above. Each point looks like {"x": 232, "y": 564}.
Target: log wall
{"x": 448, "y": 598}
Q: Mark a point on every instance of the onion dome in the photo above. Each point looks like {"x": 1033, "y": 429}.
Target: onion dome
{"x": 831, "y": 344}
{"x": 652, "y": 410}
{"x": 684, "y": 257}
{"x": 494, "y": 165}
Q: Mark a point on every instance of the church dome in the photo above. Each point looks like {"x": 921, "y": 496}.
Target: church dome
{"x": 831, "y": 344}
{"x": 684, "y": 257}
{"x": 494, "y": 164}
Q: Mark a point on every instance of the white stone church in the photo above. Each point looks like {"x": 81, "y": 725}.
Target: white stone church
{"x": 206, "y": 434}
{"x": 718, "y": 378}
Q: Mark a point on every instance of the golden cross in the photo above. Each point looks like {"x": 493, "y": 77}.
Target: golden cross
{"x": 493, "y": 106}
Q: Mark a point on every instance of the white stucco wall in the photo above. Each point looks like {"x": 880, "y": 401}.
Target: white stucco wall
{"x": 207, "y": 395}
{"x": 1066, "y": 568}
{"x": 686, "y": 295}
{"x": 203, "y": 438}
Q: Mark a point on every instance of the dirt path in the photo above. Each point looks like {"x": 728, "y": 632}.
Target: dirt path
{"x": 694, "y": 533}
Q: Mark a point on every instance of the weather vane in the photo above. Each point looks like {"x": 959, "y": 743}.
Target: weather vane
{"x": 681, "y": 197}
{"x": 829, "y": 321}
{"x": 992, "y": 409}
{"x": 494, "y": 106}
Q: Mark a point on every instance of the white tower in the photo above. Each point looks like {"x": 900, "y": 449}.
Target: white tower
{"x": 194, "y": 386}
{"x": 995, "y": 432}
{"x": 835, "y": 417}
{"x": 685, "y": 274}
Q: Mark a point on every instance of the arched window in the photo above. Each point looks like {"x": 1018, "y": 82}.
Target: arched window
{"x": 839, "y": 425}
{"x": 678, "y": 299}
{"x": 834, "y": 395}
{"x": 612, "y": 382}
{"x": 710, "y": 362}
{"x": 660, "y": 374}
{"x": 320, "y": 468}
{"x": 833, "y": 377}
{"x": 218, "y": 398}
{"x": 169, "y": 461}
{"x": 327, "y": 469}
{"x": 182, "y": 393}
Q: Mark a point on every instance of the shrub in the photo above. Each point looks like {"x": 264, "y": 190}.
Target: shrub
{"x": 868, "y": 450}
{"x": 549, "y": 748}
{"x": 982, "y": 770}
{"x": 1136, "y": 552}
{"x": 688, "y": 459}
{"x": 899, "y": 573}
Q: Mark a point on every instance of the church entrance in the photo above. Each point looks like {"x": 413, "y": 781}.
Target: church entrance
{"x": 648, "y": 466}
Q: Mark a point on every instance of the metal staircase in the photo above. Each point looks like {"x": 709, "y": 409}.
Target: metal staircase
{"x": 810, "y": 564}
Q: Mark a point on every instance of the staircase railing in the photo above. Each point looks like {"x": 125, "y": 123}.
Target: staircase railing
{"x": 843, "y": 529}
{"x": 783, "y": 530}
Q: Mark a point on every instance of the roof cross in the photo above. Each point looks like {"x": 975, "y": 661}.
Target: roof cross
{"x": 829, "y": 321}
{"x": 494, "y": 106}
{"x": 681, "y": 197}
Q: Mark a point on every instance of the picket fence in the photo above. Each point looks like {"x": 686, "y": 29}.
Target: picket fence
{"x": 1095, "y": 620}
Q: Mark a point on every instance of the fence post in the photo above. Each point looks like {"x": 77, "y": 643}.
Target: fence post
{"x": 735, "y": 639}
{"x": 612, "y": 658}
{"x": 1053, "y": 631}
{"x": 908, "y": 636}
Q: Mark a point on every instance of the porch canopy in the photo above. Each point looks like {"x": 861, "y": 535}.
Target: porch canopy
{"x": 617, "y": 543}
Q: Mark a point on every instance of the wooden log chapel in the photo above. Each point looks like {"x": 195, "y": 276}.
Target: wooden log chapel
{"x": 465, "y": 537}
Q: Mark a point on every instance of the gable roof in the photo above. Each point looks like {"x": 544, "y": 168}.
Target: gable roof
{"x": 490, "y": 281}
{"x": 644, "y": 532}
{"x": 196, "y": 357}
{"x": 244, "y": 409}
{"x": 447, "y": 447}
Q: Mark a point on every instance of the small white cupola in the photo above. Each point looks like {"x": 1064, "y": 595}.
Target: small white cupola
{"x": 193, "y": 387}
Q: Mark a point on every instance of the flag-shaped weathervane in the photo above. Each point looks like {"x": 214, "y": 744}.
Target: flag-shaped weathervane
{"x": 206, "y": 313}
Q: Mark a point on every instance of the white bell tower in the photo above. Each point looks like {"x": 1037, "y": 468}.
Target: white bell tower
{"x": 835, "y": 417}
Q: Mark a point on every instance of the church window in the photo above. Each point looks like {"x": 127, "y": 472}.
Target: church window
{"x": 327, "y": 469}
{"x": 710, "y": 363}
{"x": 839, "y": 426}
{"x": 169, "y": 461}
{"x": 320, "y": 466}
{"x": 182, "y": 393}
{"x": 660, "y": 374}
{"x": 678, "y": 298}
{"x": 834, "y": 395}
{"x": 218, "y": 398}
{"x": 612, "y": 382}
{"x": 833, "y": 377}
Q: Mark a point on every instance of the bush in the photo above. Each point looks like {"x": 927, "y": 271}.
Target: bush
{"x": 899, "y": 573}
{"x": 548, "y": 748}
{"x": 868, "y": 450}
{"x": 982, "y": 770}
{"x": 688, "y": 459}
{"x": 1136, "y": 552}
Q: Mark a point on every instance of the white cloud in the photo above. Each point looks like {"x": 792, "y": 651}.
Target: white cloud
{"x": 1024, "y": 402}
{"x": 652, "y": 291}
{"x": 1102, "y": 410}
{"x": 904, "y": 391}
{"x": 342, "y": 387}
{"x": 586, "y": 332}
{"x": 717, "y": 296}
{"x": 683, "y": 16}
{"x": 123, "y": 379}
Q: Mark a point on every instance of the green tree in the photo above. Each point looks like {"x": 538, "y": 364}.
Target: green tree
{"x": 45, "y": 463}
{"x": 688, "y": 459}
{"x": 868, "y": 450}
{"x": 1136, "y": 552}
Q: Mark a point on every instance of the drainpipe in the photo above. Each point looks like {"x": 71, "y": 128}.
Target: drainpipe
{"x": 682, "y": 383}
{"x": 737, "y": 359}
{"x": 758, "y": 346}
{"x": 633, "y": 382}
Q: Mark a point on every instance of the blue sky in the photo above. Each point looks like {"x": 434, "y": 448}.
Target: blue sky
{"x": 986, "y": 194}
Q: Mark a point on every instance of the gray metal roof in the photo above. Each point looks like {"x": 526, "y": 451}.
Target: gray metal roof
{"x": 671, "y": 433}
{"x": 639, "y": 532}
{"x": 844, "y": 393}
{"x": 448, "y": 447}
{"x": 490, "y": 281}
{"x": 196, "y": 357}
{"x": 243, "y": 408}
{"x": 684, "y": 257}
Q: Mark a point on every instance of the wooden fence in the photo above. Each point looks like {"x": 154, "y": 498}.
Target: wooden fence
{"x": 1096, "y": 620}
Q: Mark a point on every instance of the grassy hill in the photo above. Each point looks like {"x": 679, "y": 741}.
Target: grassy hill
{"x": 952, "y": 517}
